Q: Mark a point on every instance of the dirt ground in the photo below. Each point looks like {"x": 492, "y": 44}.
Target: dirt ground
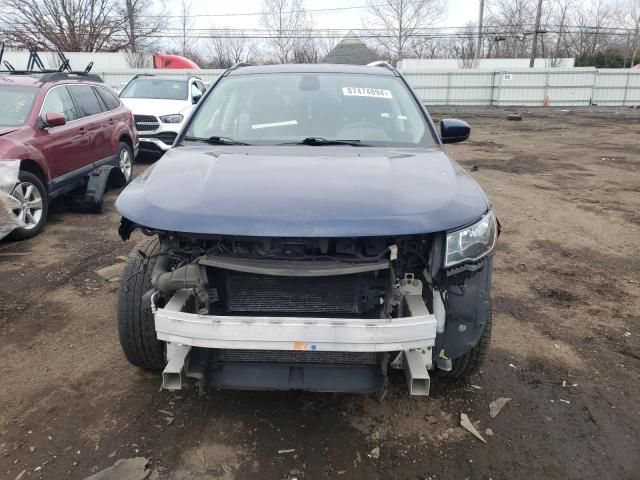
{"x": 566, "y": 344}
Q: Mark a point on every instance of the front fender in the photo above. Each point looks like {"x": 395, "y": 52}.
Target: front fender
{"x": 25, "y": 152}
{"x": 468, "y": 311}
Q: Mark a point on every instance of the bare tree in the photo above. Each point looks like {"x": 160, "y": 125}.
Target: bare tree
{"x": 426, "y": 47}
{"x": 464, "y": 46}
{"x": 71, "y": 25}
{"x": 568, "y": 28}
{"x": 590, "y": 32}
{"x": 326, "y": 43}
{"x": 82, "y": 25}
{"x": 226, "y": 50}
{"x": 288, "y": 25}
{"x": 437, "y": 48}
{"x": 629, "y": 17}
{"x": 510, "y": 20}
{"x": 306, "y": 51}
{"x": 635, "y": 22}
{"x": 141, "y": 23}
{"x": 400, "y": 22}
{"x": 560, "y": 17}
{"x": 185, "y": 26}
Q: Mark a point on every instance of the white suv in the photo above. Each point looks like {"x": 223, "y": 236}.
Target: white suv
{"x": 160, "y": 105}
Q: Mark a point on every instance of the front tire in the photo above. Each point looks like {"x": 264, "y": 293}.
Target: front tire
{"x": 33, "y": 206}
{"x": 136, "y": 326}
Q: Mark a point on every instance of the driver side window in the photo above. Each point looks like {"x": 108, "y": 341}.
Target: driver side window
{"x": 59, "y": 101}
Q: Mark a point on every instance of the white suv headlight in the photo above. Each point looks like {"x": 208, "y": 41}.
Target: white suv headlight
{"x": 473, "y": 242}
{"x": 177, "y": 118}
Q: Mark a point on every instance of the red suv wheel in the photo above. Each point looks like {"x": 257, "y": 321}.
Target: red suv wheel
{"x": 32, "y": 206}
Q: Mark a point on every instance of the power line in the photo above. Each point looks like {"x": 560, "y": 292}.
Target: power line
{"x": 523, "y": 29}
{"x": 266, "y": 36}
{"x": 252, "y": 14}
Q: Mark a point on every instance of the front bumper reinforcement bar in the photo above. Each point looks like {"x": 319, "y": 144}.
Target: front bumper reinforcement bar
{"x": 189, "y": 337}
{"x": 417, "y": 330}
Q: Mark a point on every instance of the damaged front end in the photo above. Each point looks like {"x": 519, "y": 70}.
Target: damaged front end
{"x": 321, "y": 314}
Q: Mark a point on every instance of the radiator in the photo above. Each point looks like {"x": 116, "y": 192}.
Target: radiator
{"x": 313, "y": 295}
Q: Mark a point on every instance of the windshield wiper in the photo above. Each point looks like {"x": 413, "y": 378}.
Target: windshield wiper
{"x": 320, "y": 141}
{"x": 216, "y": 140}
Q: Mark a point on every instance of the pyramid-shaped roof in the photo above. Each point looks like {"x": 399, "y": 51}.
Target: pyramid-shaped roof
{"x": 351, "y": 50}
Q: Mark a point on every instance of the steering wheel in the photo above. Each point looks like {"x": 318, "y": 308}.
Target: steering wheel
{"x": 352, "y": 130}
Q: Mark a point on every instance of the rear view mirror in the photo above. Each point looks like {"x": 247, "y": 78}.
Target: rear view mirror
{"x": 453, "y": 130}
{"x": 54, "y": 119}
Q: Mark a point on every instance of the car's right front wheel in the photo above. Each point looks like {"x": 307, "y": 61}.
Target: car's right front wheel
{"x": 136, "y": 326}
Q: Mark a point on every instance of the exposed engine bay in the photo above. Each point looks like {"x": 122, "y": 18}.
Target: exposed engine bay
{"x": 307, "y": 276}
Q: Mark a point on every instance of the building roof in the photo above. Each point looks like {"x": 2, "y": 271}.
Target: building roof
{"x": 351, "y": 50}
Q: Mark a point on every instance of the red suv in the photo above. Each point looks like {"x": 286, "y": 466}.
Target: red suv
{"x": 61, "y": 126}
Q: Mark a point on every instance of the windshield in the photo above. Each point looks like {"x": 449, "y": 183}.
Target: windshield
{"x": 16, "y": 104}
{"x": 269, "y": 109}
{"x": 150, "y": 87}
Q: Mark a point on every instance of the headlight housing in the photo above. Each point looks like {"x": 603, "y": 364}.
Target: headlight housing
{"x": 473, "y": 242}
{"x": 177, "y": 118}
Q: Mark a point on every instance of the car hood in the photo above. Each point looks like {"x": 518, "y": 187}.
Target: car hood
{"x": 156, "y": 106}
{"x": 303, "y": 192}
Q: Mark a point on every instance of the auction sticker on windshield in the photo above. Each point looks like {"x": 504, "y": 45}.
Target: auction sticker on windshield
{"x": 366, "y": 92}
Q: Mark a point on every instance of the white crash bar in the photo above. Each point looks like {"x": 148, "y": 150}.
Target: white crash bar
{"x": 157, "y": 142}
{"x": 296, "y": 333}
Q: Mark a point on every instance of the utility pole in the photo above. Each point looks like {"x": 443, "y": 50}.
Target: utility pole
{"x": 479, "y": 45}
{"x": 532, "y": 61}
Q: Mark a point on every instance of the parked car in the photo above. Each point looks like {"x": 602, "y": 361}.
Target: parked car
{"x": 160, "y": 105}
{"x": 61, "y": 126}
{"x": 308, "y": 231}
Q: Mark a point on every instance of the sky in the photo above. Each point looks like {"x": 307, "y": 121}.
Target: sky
{"x": 459, "y": 13}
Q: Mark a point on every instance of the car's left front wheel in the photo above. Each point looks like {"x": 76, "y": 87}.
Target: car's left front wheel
{"x": 31, "y": 206}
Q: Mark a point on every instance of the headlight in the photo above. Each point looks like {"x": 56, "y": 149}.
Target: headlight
{"x": 473, "y": 242}
{"x": 177, "y": 118}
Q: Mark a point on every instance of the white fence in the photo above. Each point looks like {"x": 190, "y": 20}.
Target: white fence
{"x": 522, "y": 87}
{"x": 494, "y": 64}
{"x": 528, "y": 87}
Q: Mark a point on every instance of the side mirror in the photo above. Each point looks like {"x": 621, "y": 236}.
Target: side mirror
{"x": 54, "y": 119}
{"x": 196, "y": 99}
{"x": 453, "y": 130}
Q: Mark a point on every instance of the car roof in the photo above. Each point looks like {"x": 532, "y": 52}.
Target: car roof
{"x": 38, "y": 80}
{"x": 312, "y": 68}
{"x": 152, "y": 76}
{"x": 20, "y": 80}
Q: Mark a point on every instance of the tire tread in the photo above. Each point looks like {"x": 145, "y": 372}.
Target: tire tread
{"x": 136, "y": 327}
{"x": 471, "y": 361}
